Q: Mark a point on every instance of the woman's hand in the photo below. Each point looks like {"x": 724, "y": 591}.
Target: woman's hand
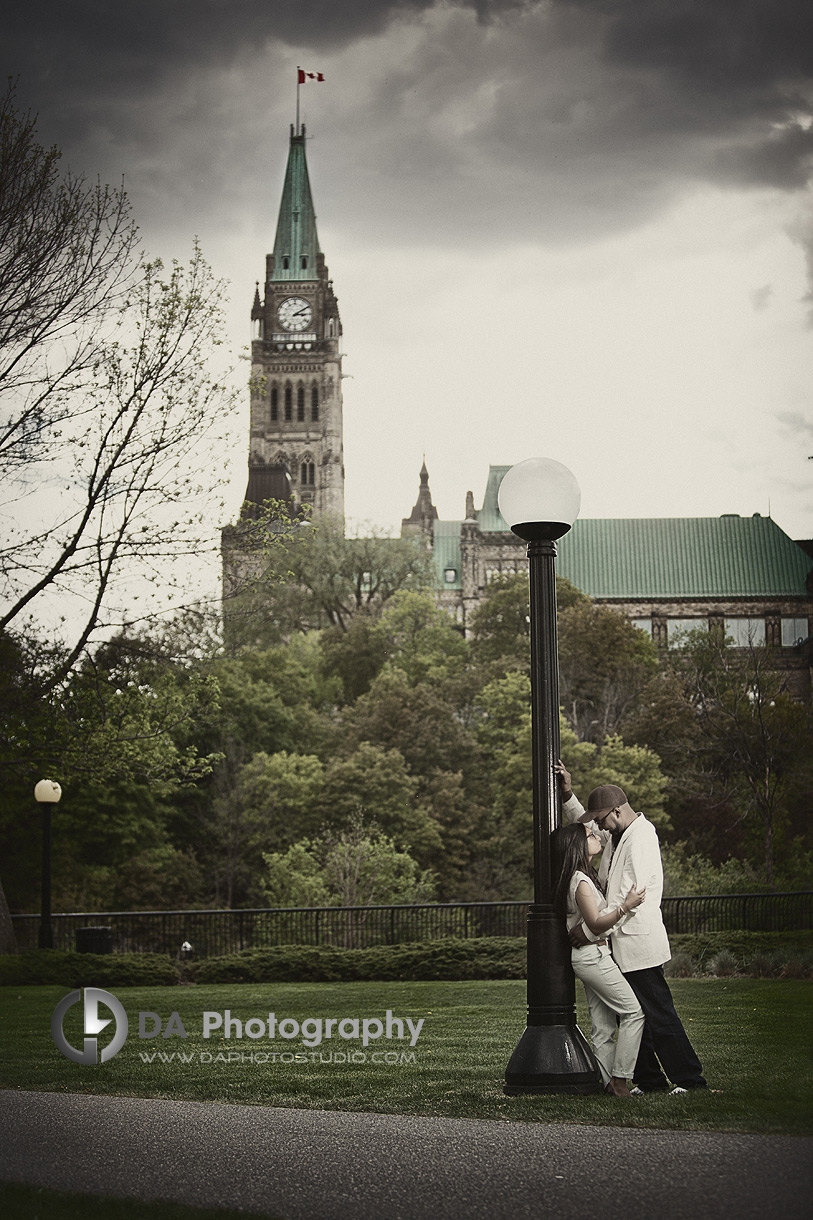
{"x": 634, "y": 898}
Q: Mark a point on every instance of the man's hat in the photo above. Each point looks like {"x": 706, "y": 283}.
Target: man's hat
{"x": 602, "y": 800}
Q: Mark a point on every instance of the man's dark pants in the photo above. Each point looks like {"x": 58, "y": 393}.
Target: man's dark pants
{"x": 664, "y": 1039}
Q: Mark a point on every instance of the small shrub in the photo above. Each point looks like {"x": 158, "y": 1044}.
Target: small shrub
{"x": 723, "y": 964}
{"x": 680, "y": 966}
{"x": 797, "y": 966}
{"x": 764, "y": 966}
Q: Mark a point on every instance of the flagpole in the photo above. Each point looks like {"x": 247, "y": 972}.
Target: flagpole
{"x": 298, "y": 75}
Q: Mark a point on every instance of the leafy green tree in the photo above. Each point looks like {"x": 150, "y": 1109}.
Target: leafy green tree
{"x": 409, "y": 633}
{"x": 374, "y": 784}
{"x": 355, "y": 656}
{"x": 753, "y": 743}
{"x": 505, "y": 855}
{"x": 504, "y": 735}
{"x": 272, "y": 701}
{"x": 113, "y": 734}
{"x": 420, "y": 639}
{"x": 686, "y": 873}
{"x": 276, "y": 799}
{"x": 501, "y": 624}
{"x": 357, "y": 866}
{"x": 605, "y": 663}
{"x": 419, "y": 721}
{"x": 296, "y": 877}
{"x": 305, "y": 575}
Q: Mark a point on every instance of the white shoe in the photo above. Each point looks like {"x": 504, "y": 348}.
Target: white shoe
{"x": 636, "y": 1092}
{"x": 677, "y": 1090}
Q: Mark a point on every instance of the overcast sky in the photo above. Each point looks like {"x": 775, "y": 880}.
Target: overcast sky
{"x": 580, "y": 228}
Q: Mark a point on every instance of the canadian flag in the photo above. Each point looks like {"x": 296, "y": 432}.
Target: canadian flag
{"x": 303, "y": 76}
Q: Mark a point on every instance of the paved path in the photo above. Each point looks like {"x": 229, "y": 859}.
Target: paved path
{"x": 318, "y": 1165}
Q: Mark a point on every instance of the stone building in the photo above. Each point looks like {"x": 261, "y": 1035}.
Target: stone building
{"x": 741, "y": 574}
{"x": 296, "y": 451}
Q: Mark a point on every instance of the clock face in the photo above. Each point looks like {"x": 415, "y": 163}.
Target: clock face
{"x": 295, "y": 314}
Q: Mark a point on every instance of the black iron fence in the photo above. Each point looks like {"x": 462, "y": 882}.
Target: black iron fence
{"x": 739, "y": 912}
{"x": 212, "y": 933}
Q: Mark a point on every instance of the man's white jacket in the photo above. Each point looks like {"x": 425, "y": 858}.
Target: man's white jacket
{"x": 639, "y": 940}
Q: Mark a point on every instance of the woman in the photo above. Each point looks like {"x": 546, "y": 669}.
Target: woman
{"x": 609, "y": 995}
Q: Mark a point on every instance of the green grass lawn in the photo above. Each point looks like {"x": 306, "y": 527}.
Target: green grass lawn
{"x": 753, "y": 1037}
{"x": 34, "y": 1203}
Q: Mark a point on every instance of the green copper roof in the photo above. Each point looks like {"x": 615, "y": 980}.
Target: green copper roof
{"x": 683, "y": 557}
{"x": 489, "y": 517}
{"x": 296, "y": 243}
{"x": 446, "y": 552}
{"x": 670, "y": 557}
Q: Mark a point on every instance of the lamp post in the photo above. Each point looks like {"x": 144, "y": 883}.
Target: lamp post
{"x": 46, "y": 793}
{"x": 540, "y": 499}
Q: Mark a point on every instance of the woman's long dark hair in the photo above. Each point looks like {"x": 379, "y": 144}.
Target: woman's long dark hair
{"x": 568, "y": 853}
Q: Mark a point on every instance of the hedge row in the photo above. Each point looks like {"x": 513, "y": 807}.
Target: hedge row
{"x": 497, "y": 957}
{"x": 88, "y": 969}
{"x": 450, "y": 959}
{"x": 703, "y": 946}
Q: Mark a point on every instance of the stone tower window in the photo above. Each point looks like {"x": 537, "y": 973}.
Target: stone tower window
{"x": 274, "y": 404}
{"x": 300, "y": 403}
{"x": 288, "y": 402}
{"x": 307, "y": 474}
{"x": 314, "y": 401}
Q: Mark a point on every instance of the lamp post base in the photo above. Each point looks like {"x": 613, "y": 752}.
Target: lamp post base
{"x": 553, "y": 1055}
{"x": 552, "y": 1059}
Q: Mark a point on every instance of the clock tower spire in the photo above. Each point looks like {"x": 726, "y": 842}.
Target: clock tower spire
{"x": 296, "y": 366}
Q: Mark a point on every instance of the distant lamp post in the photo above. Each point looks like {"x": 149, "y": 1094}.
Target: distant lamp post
{"x": 46, "y": 793}
{"x": 540, "y": 500}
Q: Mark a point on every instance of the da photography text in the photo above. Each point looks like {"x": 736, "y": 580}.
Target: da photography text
{"x": 310, "y": 1032}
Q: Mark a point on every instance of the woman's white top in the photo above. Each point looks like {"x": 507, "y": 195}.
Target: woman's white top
{"x": 574, "y": 915}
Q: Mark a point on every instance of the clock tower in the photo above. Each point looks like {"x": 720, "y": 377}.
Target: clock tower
{"x": 296, "y": 366}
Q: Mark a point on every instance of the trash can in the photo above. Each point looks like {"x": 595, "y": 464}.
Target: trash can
{"x": 94, "y": 940}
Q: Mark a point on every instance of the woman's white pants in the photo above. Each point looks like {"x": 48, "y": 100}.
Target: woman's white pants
{"x": 609, "y": 996}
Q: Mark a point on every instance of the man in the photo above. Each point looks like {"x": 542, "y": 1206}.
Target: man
{"x": 640, "y": 945}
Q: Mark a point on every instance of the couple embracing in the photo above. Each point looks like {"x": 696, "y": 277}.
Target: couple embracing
{"x": 626, "y": 988}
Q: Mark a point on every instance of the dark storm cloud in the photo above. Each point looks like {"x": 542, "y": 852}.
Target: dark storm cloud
{"x": 566, "y": 118}
{"x": 73, "y": 57}
{"x": 57, "y": 39}
{"x": 728, "y": 65}
{"x": 87, "y": 46}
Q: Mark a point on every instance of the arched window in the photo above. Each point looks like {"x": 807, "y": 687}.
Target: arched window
{"x": 314, "y": 401}
{"x": 307, "y": 474}
{"x": 286, "y": 262}
{"x": 331, "y": 329}
{"x": 288, "y": 401}
{"x": 274, "y": 404}
{"x": 300, "y": 402}
{"x": 304, "y": 262}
